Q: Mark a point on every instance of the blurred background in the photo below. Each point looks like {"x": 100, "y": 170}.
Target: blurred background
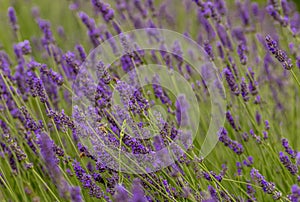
{"x": 63, "y": 16}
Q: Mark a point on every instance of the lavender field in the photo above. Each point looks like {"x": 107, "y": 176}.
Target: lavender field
{"x": 149, "y": 100}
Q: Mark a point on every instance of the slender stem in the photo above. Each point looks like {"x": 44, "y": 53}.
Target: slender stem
{"x": 120, "y": 147}
{"x": 3, "y": 180}
{"x": 40, "y": 178}
{"x": 295, "y": 77}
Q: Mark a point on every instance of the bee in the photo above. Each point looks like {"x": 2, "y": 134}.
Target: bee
{"x": 115, "y": 79}
{"x": 82, "y": 154}
{"x": 103, "y": 127}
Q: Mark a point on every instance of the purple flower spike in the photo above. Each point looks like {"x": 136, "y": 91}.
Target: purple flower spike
{"x": 255, "y": 9}
{"x": 239, "y": 34}
{"x": 208, "y": 49}
{"x": 298, "y": 159}
{"x": 285, "y": 7}
{"x": 251, "y": 191}
{"x": 220, "y": 50}
{"x": 267, "y": 125}
{"x": 46, "y": 146}
{"x": 87, "y": 21}
{"x": 137, "y": 191}
{"x": 231, "y": 81}
{"x": 87, "y": 181}
{"x": 244, "y": 90}
{"x": 295, "y": 193}
{"x": 256, "y": 137}
{"x": 222, "y": 33}
{"x": 288, "y": 149}
{"x": 231, "y": 120}
{"x": 272, "y": 44}
{"x": 233, "y": 145}
{"x": 280, "y": 55}
{"x": 35, "y": 12}
{"x": 268, "y": 187}
{"x": 221, "y": 6}
{"x": 181, "y": 111}
{"x": 207, "y": 27}
{"x": 248, "y": 162}
{"x": 13, "y": 19}
{"x": 54, "y": 76}
{"x": 159, "y": 91}
{"x": 258, "y": 118}
{"x": 104, "y": 8}
{"x": 244, "y": 13}
{"x": 24, "y": 47}
{"x": 241, "y": 52}
{"x": 48, "y": 37}
{"x": 36, "y": 86}
{"x": 265, "y": 135}
{"x": 81, "y": 52}
{"x": 213, "y": 193}
{"x": 75, "y": 194}
{"x": 72, "y": 62}
{"x": 140, "y": 8}
{"x": 285, "y": 160}
{"x": 121, "y": 194}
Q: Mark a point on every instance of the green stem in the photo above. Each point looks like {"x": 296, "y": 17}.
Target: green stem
{"x": 40, "y": 178}
{"x": 295, "y": 77}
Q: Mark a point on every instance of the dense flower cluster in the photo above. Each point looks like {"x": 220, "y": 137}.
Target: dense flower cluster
{"x": 56, "y": 147}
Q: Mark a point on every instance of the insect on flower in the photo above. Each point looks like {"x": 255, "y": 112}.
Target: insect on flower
{"x": 82, "y": 154}
{"x": 103, "y": 127}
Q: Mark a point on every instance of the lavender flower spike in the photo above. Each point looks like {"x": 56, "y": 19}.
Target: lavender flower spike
{"x": 244, "y": 90}
{"x": 231, "y": 120}
{"x": 46, "y": 145}
{"x": 105, "y": 9}
{"x": 295, "y": 195}
{"x": 75, "y": 194}
{"x": 13, "y": 19}
{"x": 233, "y": 145}
{"x": 285, "y": 160}
{"x": 138, "y": 193}
{"x": 231, "y": 81}
{"x": 279, "y": 54}
{"x": 121, "y": 194}
{"x": 268, "y": 187}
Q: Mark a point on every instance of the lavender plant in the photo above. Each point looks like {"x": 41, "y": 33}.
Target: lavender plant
{"x": 91, "y": 111}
